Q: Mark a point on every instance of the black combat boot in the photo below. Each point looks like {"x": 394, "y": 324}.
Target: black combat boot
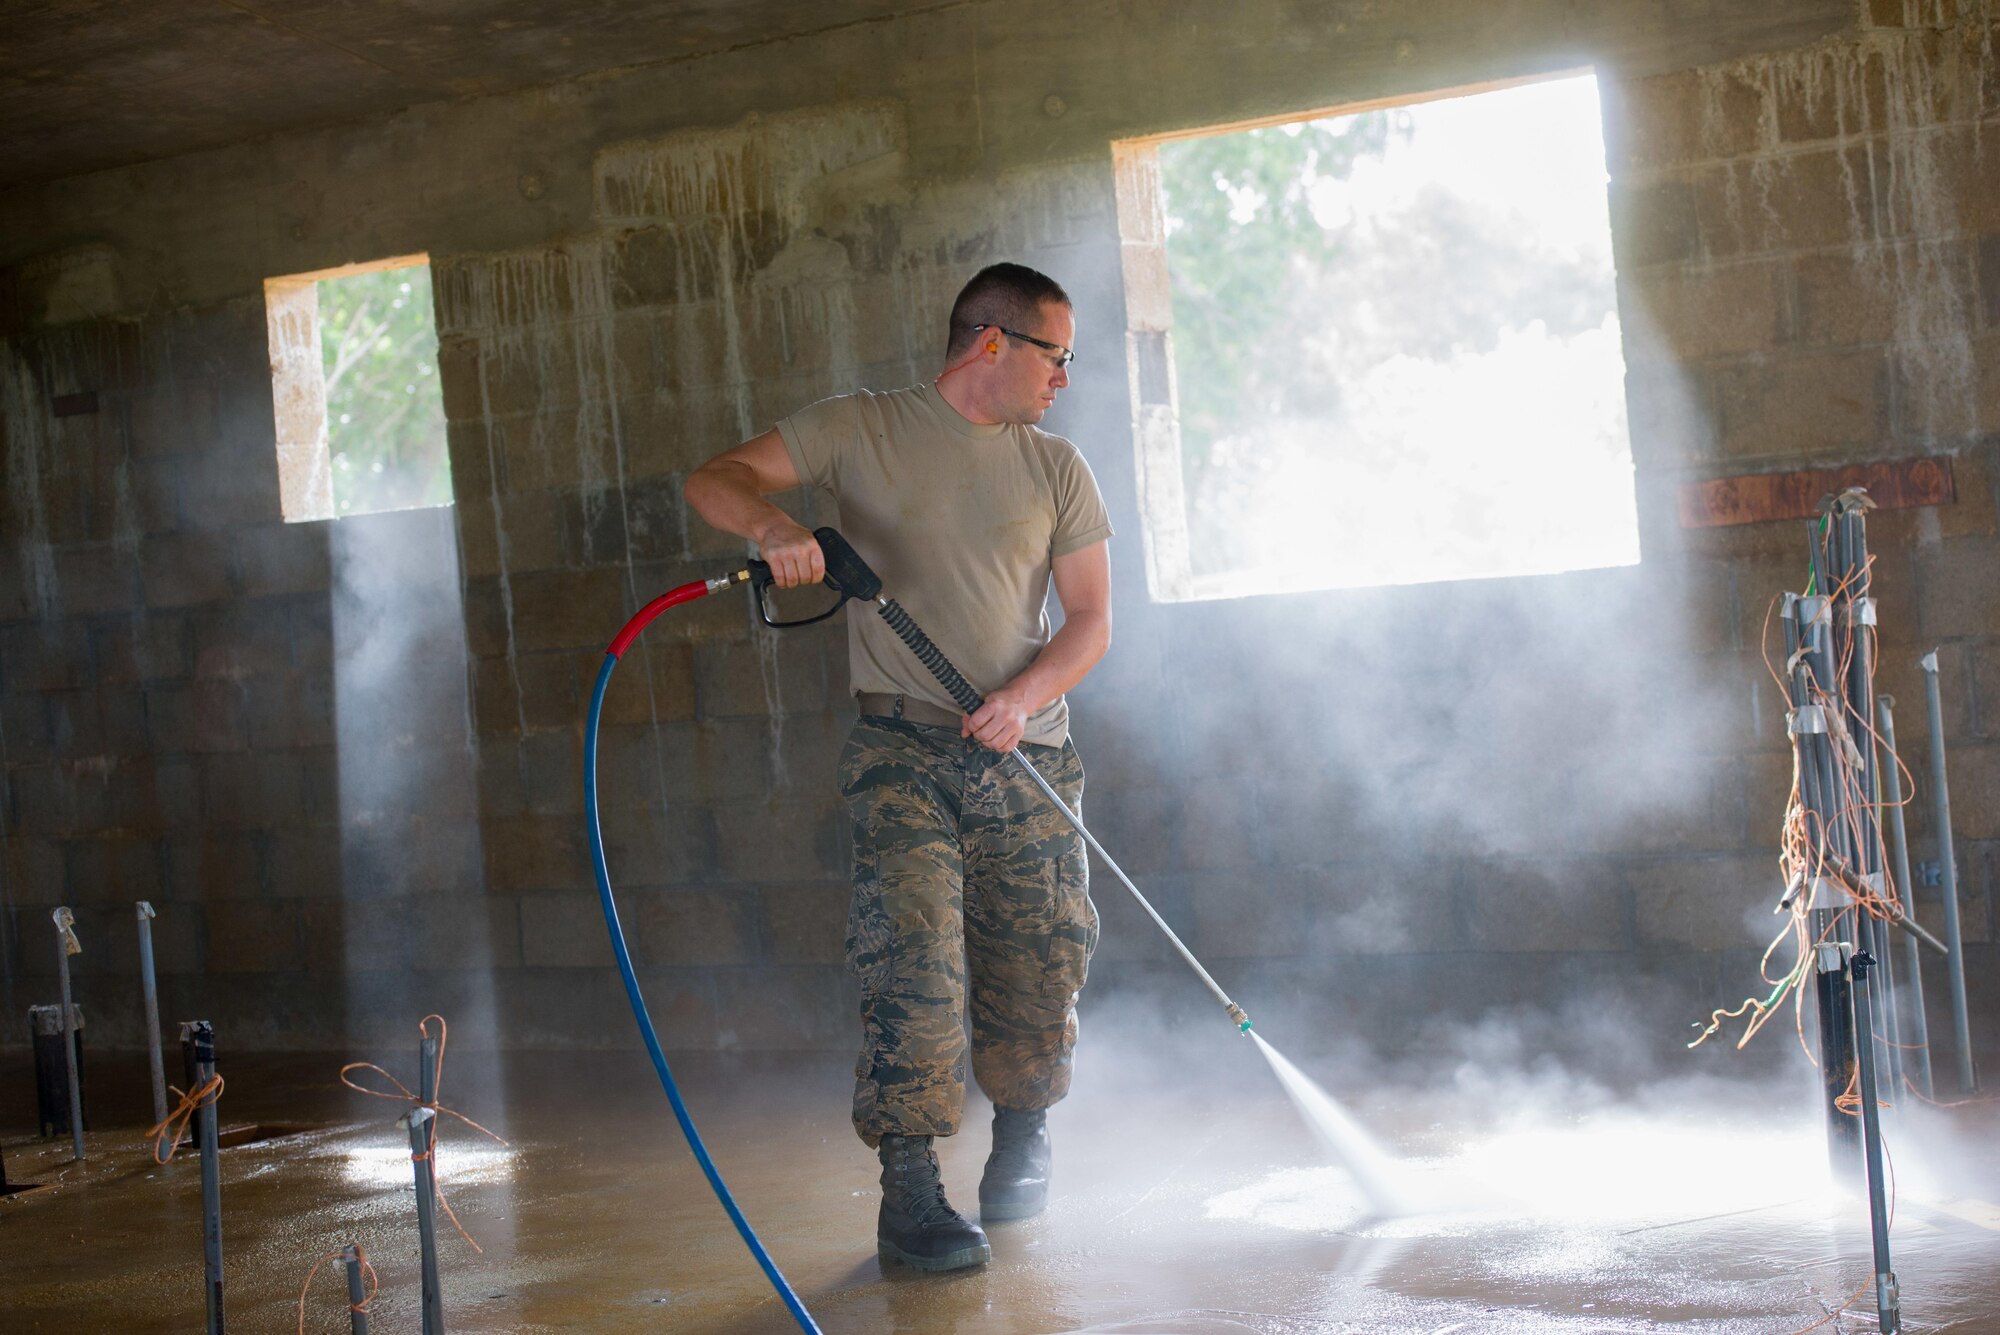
{"x": 917, "y": 1225}
{"x": 1016, "y": 1182}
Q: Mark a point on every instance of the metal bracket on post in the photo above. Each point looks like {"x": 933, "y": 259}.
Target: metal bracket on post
{"x": 1822, "y": 893}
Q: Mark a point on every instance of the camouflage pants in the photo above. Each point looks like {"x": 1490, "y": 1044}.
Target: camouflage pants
{"x": 962, "y": 871}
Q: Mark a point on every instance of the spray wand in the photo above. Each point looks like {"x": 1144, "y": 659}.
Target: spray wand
{"x": 849, "y": 576}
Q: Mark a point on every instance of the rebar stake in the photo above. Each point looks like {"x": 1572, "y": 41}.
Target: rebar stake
{"x": 150, "y": 993}
{"x": 198, "y": 1057}
{"x": 427, "y": 1071}
{"x": 67, "y": 945}
{"x": 421, "y": 1122}
{"x": 357, "y": 1296}
{"x": 1887, "y": 1299}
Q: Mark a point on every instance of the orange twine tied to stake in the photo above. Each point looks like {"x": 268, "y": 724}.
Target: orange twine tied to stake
{"x": 359, "y": 1255}
{"x": 404, "y": 1095}
{"x": 177, "y": 1121}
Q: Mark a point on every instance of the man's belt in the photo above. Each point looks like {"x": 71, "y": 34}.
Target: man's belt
{"x": 874, "y": 704}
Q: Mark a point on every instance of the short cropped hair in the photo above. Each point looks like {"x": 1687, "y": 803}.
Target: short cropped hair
{"x": 1000, "y": 294}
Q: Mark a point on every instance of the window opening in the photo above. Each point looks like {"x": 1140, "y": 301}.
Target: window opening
{"x": 354, "y": 375}
{"x": 1379, "y": 347}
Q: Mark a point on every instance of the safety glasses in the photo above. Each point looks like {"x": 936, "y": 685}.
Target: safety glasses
{"x": 1063, "y": 355}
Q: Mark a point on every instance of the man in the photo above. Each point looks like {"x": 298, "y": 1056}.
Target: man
{"x": 968, "y": 513}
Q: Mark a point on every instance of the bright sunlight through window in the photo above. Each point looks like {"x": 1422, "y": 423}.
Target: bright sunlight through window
{"x": 1395, "y": 346}
{"x": 354, "y": 370}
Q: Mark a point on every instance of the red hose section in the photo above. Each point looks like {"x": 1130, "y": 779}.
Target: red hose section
{"x": 686, "y": 593}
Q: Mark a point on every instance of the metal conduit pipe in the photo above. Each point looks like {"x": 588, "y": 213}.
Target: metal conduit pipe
{"x": 1916, "y": 1032}
{"x": 1961, "y": 1026}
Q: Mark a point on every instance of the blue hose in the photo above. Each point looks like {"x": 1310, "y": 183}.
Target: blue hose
{"x": 771, "y": 1272}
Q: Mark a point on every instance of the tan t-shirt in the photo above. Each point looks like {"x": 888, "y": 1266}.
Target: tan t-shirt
{"x": 961, "y": 522}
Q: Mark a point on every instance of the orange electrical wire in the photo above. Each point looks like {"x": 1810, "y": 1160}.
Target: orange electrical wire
{"x": 1849, "y": 1099}
{"x": 1921, "y": 1097}
{"x": 177, "y": 1120}
{"x": 1854, "y": 1298}
{"x": 1803, "y": 859}
{"x": 404, "y": 1095}
{"x": 373, "y": 1283}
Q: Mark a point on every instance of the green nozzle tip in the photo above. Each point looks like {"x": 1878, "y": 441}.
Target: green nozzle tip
{"x": 1245, "y": 1026}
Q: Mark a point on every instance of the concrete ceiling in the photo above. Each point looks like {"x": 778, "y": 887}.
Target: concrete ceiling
{"x": 90, "y": 84}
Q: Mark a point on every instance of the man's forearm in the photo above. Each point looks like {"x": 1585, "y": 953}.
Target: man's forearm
{"x": 1065, "y": 660}
{"x": 724, "y": 493}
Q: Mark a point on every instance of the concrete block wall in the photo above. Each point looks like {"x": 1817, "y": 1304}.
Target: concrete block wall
{"x": 1379, "y": 814}
{"x": 168, "y": 679}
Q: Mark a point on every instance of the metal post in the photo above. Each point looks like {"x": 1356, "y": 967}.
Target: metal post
{"x": 1807, "y": 726}
{"x": 357, "y": 1315}
{"x": 419, "y": 1121}
{"x": 1887, "y": 1301}
{"x": 1858, "y": 619}
{"x": 149, "y": 990}
{"x": 198, "y": 1056}
{"x": 1890, "y": 1023}
{"x": 1961, "y": 1026}
{"x": 427, "y": 1072}
{"x": 1819, "y": 656}
{"x": 67, "y": 945}
{"x": 1916, "y": 1027}
{"x": 1835, "y": 1000}
{"x": 1808, "y": 620}
{"x": 427, "y": 1093}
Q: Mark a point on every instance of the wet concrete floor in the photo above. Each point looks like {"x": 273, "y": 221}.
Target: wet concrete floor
{"x": 1184, "y": 1206}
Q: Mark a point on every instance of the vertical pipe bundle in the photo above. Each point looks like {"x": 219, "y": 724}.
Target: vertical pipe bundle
{"x": 1841, "y": 872}
{"x": 1842, "y": 900}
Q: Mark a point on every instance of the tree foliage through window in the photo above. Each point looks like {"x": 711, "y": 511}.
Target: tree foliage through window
{"x": 1396, "y": 344}
{"x": 1244, "y": 247}
{"x": 384, "y": 409}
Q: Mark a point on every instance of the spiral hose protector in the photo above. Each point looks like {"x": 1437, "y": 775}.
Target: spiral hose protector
{"x": 932, "y": 657}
